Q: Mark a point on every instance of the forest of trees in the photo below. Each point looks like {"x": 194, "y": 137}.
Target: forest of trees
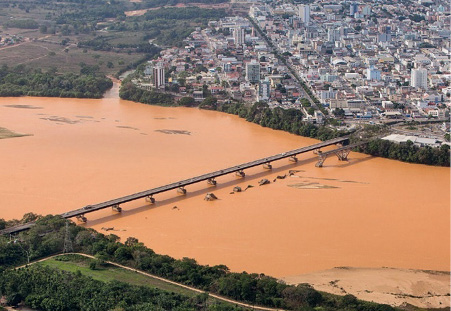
{"x": 407, "y": 152}
{"x": 188, "y": 13}
{"x": 289, "y": 120}
{"x": 46, "y": 237}
{"x": 130, "y": 91}
{"x": 22, "y": 24}
{"x": 47, "y": 289}
{"x": 20, "y": 80}
{"x": 169, "y": 26}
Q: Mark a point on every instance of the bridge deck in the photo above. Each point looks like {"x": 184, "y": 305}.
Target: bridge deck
{"x": 183, "y": 183}
{"x": 343, "y": 148}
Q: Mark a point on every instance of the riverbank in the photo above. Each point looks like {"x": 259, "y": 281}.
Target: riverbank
{"x": 395, "y": 287}
{"x": 290, "y": 120}
{"x": 24, "y": 81}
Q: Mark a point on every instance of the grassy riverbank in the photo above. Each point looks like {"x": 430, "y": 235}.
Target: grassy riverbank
{"x": 107, "y": 273}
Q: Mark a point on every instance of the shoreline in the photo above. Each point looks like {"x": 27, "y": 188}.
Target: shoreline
{"x": 394, "y": 286}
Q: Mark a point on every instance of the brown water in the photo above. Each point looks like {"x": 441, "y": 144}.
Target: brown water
{"x": 368, "y": 212}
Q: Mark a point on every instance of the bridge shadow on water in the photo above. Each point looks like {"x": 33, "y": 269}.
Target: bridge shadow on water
{"x": 348, "y": 163}
{"x": 252, "y": 178}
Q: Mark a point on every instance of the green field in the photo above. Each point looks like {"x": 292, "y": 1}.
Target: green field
{"x": 110, "y": 273}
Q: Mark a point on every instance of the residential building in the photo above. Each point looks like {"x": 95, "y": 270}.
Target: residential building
{"x": 419, "y": 78}
{"x": 158, "y": 76}
{"x": 373, "y": 74}
{"x": 304, "y": 13}
{"x": 253, "y": 72}
{"x": 264, "y": 90}
{"x": 239, "y": 35}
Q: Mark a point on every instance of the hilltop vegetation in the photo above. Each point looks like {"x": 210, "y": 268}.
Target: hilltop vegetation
{"x": 47, "y": 237}
{"x": 63, "y": 34}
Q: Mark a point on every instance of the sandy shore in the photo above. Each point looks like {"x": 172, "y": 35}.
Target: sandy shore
{"x": 396, "y": 287}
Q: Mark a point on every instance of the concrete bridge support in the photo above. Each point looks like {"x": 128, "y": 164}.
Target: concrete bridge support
{"x": 82, "y": 218}
{"x": 181, "y": 191}
{"x": 240, "y": 173}
{"x": 150, "y": 199}
{"x": 116, "y": 208}
{"x": 267, "y": 166}
{"x": 321, "y": 159}
{"x": 343, "y": 154}
{"x": 211, "y": 181}
{"x": 293, "y": 159}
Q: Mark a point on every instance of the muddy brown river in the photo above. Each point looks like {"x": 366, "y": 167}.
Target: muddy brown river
{"x": 367, "y": 212}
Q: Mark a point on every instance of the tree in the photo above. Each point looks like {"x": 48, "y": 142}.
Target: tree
{"x": 209, "y": 103}
{"x": 305, "y": 102}
{"x": 187, "y": 101}
{"x": 339, "y": 112}
{"x": 301, "y": 296}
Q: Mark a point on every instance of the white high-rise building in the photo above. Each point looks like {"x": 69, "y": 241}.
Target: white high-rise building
{"x": 253, "y": 71}
{"x": 304, "y": 13}
{"x": 239, "y": 35}
{"x": 333, "y": 35}
{"x": 158, "y": 76}
{"x": 419, "y": 78}
{"x": 373, "y": 74}
{"x": 264, "y": 90}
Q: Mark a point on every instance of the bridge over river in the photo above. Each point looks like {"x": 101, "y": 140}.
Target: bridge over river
{"x": 341, "y": 152}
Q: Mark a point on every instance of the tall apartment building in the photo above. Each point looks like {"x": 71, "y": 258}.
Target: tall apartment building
{"x": 239, "y": 35}
{"x": 253, "y": 72}
{"x": 304, "y": 13}
{"x": 333, "y": 35}
{"x": 419, "y": 78}
{"x": 158, "y": 76}
{"x": 373, "y": 74}
{"x": 264, "y": 90}
{"x": 353, "y": 8}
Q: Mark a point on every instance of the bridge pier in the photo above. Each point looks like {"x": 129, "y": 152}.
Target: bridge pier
{"x": 82, "y": 218}
{"x": 181, "y": 190}
{"x": 116, "y": 208}
{"x": 150, "y": 199}
{"x": 293, "y": 159}
{"x": 240, "y": 173}
{"x": 317, "y": 151}
{"x": 321, "y": 158}
{"x": 267, "y": 166}
{"x": 211, "y": 181}
{"x": 342, "y": 155}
